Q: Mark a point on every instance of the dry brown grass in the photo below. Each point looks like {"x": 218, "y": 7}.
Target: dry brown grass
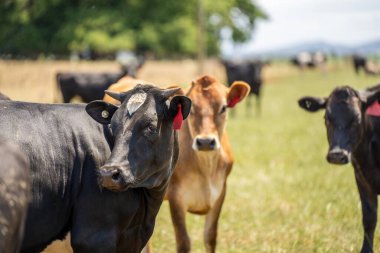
{"x": 34, "y": 81}
{"x": 282, "y": 195}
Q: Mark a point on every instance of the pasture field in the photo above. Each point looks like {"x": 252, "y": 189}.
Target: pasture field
{"x": 282, "y": 195}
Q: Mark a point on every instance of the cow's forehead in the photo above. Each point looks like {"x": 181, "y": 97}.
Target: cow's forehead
{"x": 214, "y": 92}
{"x": 343, "y": 107}
{"x": 208, "y": 100}
{"x": 344, "y": 93}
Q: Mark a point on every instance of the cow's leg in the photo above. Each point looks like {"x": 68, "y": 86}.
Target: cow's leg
{"x": 211, "y": 225}
{"x": 369, "y": 211}
{"x": 178, "y": 214}
{"x": 258, "y": 104}
{"x": 67, "y": 96}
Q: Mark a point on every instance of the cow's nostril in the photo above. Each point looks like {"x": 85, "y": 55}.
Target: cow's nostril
{"x": 199, "y": 143}
{"x": 212, "y": 143}
{"x": 116, "y": 176}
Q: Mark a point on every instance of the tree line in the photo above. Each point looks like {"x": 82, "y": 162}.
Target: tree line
{"x": 164, "y": 28}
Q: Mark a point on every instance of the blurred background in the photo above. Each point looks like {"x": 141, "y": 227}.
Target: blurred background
{"x": 282, "y": 195}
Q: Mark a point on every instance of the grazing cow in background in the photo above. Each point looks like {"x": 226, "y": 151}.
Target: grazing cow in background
{"x": 308, "y": 60}
{"x": 199, "y": 182}
{"x": 352, "y": 121}
{"x": 14, "y": 196}
{"x": 359, "y": 62}
{"x": 249, "y": 72}
{"x": 124, "y": 84}
{"x": 4, "y": 97}
{"x": 362, "y": 63}
{"x": 91, "y": 86}
{"x": 371, "y": 68}
{"x": 79, "y": 167}
{"x": 302, "y": 60}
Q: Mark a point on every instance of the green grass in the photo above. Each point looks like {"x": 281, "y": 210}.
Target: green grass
{"x": 282, "y": 195}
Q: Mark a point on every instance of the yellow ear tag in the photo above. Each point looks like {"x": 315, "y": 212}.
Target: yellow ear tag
{"x": 105, "y": 114}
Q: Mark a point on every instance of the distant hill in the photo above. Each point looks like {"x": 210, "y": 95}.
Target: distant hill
{"x": 370, "y": 48}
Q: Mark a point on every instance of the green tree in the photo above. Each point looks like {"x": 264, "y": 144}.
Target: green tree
{"x": 166, "y": 28}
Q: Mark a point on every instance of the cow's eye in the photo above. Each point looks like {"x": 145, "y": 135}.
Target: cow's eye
{"x": 223, "y": 110}
{"x": 150, "y": 133}
{"x": 150, "y": 129}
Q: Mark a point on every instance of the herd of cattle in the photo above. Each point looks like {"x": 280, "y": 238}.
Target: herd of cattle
{"x": 100, "y": 171}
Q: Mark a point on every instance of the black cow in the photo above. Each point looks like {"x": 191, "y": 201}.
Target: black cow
{"x": 354, "y": 136}
{"x": 91, "y": 86}
{"x": 14, "y": 195}
{"x": 249, "y": 72}
{"x": 362, "y": 63}
{"x": 66, "y": 149}
{"x": 359, "y": 62}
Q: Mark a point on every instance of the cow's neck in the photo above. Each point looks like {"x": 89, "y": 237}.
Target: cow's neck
{"x": 365, "y": 157}
{"x": 153, "y": 199}
{"x": 371, "y": 128}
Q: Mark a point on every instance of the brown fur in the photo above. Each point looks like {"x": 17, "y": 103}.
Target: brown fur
{"x": 198, "y": 184}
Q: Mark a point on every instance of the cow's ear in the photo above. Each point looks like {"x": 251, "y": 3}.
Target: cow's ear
{"x": 312, "y": 104}
{"x": 369, "y": 97}
{"x": 178, "y": 110}
{"x": 238, "y": 91}
{"x": 101, "y": 111}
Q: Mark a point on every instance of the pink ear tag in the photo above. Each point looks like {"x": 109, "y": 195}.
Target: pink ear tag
{"x": 374, "y": 109}
{"x": 233, "y": 102}
{"x": 178, "y": 119}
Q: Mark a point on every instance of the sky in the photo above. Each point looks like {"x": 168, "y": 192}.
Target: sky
{"x": 346, "y": 22}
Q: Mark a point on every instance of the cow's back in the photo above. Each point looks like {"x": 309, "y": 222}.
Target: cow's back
{"x": 89, "y": 86}
{"x": 59, "y": 140}
{"x": 92, "y": 86}
{"x": 14, "y": 192}
{"x": 249, "y": 72}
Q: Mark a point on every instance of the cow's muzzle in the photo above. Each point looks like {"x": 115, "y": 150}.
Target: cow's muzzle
{"x": 338, "y": 156}
{"x": 115, "y": 178}
{"x": 206, "y": 143}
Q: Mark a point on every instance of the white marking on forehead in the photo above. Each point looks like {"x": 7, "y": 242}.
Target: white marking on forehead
{"x": 135, "y": 102}
{"x": 167, "y": 102}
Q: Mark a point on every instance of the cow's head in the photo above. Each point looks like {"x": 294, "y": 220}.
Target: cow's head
{"x": 145, "y": 144}
{"x": 344, "y": 119}
{"x": 211, "y": 101}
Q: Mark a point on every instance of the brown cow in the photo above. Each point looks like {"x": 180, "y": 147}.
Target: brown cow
{"x": 198, "y": 184}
